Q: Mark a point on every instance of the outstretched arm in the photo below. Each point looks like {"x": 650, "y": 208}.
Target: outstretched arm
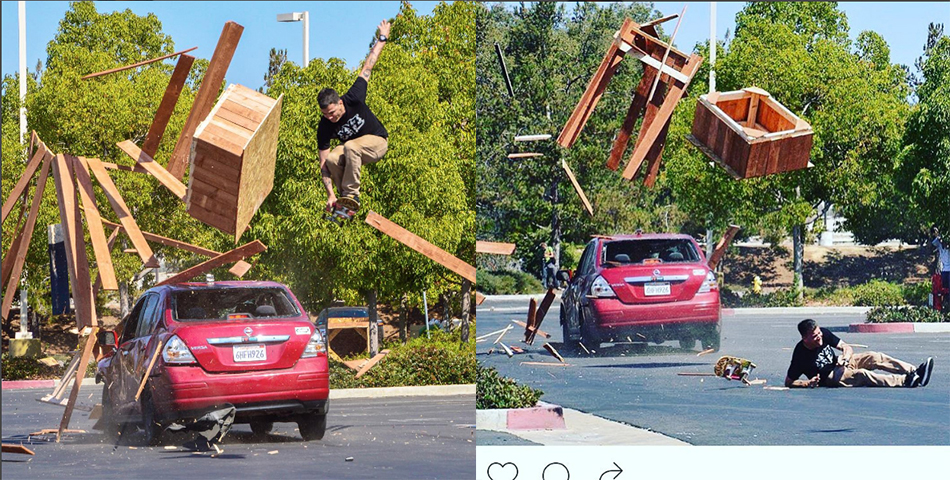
{"x": 370, "y": 61}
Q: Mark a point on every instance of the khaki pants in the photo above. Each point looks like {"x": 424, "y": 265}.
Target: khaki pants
{"x": 345, "y": 162}
{"x": 859, "y": 372}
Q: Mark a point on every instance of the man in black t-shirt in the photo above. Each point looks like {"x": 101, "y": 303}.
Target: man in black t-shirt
{"x": 815, "y": 358}
{"x": 363, "y": 139}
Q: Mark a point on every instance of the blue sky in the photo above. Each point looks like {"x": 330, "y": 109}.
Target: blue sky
{"x": 337, "y": 29}
{"x": 344, "y": 29}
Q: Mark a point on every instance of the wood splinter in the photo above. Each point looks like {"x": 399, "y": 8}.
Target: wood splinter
{"x": 548, "y": 347}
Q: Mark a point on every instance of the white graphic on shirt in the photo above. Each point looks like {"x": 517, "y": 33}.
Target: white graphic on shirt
{"x": 825, "y": 358}
{"x": 350, "y": 128}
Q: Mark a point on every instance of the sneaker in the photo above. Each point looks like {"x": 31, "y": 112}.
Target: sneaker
{"x": 924, "y": 371}
{"x": 911, "y": 380}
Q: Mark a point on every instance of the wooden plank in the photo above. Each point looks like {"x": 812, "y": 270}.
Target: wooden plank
{"x": 546, "y": 364}
{"x": 673, "y": 97}
{"x": 211, "y": 161}
{"x": 24, "y": 180}
{"x": 239, "y": 253}
{"x": 577, "y": 187}
{"x": 371, "y": 363}
{"x": 252, "y": 98}
{"x": 654, "y": 155}
{"x": 233, "y": 128}
{"x": 134, "y": 65}
{"x": 524, "y": 155}
{"x": 232, "y": 140}
{"x": 497, "y": 248}
{"x": 550, "y": 348}
{"x": 80, "y": 374}
{"x": 148, "y": 371}
{"x": 666, "y": 54}
{"x": 479, "y": 298}
{"x": 204, "y": 101}
{"x": 722, "y": 246}
{"x": 251, "y": 114}
{"x": 122, "y": 211}
{"x": 420, "y": 245}
{"x": 212, "y": 218}
{"x": 659, "y": 21}
{"x": 531, "y": 319}
{"x": 145, "y": 160}
{"x": 165, "y": 109}
{"x": 543, "y": 309}
{"x": 532, "y": 138}
{"x": 113, "y": 166}
{"x": 538, "y": 330}
{"x": 236, "y": 118}
{"x": 504, "y": 71}
{"x": 633, "y": 113}
{"x": 109, "y": 244}
{"x": 652, "y": 109}
{"x": 76, "y": 259}
{"x": 199, "y": 186}
{"x": 100, "y": 246}
{"x": 10, "y": 448}
{"x": 12, "y": 278}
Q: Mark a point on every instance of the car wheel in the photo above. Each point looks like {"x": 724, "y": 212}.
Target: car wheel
{"x": 110, "y": 428}
{"x": 262, "y": 428}
{"x": 150, "y": 424}
{"x": 312, "y": 426}
{"x": 570, "y": 332}
{"x": 590, "y": 339}
{"x": 712, "y": 338}
{"x": 687, "y": 342}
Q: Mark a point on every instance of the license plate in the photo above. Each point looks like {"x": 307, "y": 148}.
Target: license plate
{"x": 250, "y": 353}
{"x": 656, "y": 289}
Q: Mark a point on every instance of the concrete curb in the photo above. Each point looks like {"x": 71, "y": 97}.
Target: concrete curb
{"x": 903, "y": 327}
{"x": 795, "y": 310}
{"x": 544, "y": 416}
{"x": 423, "y": 391}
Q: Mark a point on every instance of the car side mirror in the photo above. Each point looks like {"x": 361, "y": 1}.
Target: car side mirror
{"x": 563, "y": 275}
{"x": 107, "y": 339}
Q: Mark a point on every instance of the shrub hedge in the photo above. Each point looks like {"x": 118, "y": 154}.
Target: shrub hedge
{"x": 496, "y": 391}
{"x": 896, "y": 314}
{"x": 507, "y": 282}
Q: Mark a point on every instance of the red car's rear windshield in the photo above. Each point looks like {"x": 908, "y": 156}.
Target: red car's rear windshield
{"x": 225, "y": 303}
{"x": 650, "y": 251}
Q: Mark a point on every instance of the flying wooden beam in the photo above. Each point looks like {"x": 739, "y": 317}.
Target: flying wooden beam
{"x": 100, "y": 246}
{"x": 524, "y": 155}
{"x": 504, "y": 70}
{"x": 577, "y": 187}
{"x": 497, "y": 248}
{"x": 76, "y": 259}
{"x": 421, "y": 245}
{"x": 239, "y": 253}
{"x": 151, "y": 166}
{"x": 21, "y": 184}
{"x": 721, "y": 247}
{"x": 532, "y": 138}
{"x": 134, "y": 65}
{"x": 164, "y": 113}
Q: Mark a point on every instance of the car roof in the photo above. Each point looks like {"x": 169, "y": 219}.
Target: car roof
{"x": 345, "y": 311}
{"x": 644, "y": 236}
{"x": 177, "y": 287}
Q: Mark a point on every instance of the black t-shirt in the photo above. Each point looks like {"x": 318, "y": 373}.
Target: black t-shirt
{"x": 357, "y": 121}
{"x": 820, "y": 361}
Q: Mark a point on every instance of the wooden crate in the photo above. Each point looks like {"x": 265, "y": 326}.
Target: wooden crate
{"x": 750, "y": 134}
{"x": 233, "y": 154}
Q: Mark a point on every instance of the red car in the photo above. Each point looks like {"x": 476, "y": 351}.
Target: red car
{"x": 641, "y": 288}
{"x": 246, "y": 344}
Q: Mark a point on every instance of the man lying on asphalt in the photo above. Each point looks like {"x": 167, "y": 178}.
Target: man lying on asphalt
{"x": 815, "y": 358}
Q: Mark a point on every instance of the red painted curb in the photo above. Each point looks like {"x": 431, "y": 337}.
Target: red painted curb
{"x": 18, "y": 384}
{"x": 905, "y": 327}
{"x": 543, "y": 417}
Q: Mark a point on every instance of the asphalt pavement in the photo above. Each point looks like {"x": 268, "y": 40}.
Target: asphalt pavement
{"x": 638, "y": 385}
{"x": 415, "y": 437}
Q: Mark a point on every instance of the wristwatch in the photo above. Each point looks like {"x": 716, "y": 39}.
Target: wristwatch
{"x": 383, "y": 38}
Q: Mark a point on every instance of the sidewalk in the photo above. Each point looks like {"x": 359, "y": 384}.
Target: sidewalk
{"x": 583, "y": 429}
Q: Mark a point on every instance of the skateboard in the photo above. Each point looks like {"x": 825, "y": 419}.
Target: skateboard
{"x": 338, "y": 213}
{"x": 734, "y": 368}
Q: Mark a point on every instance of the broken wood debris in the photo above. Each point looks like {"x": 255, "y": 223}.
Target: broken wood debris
{"x": 371, "y": 363}
{"x": 535, "y": 320}
{"x": 11, "y": 448}
{"x": 536, "y": 330}
{"x": 577, "y": 187}
{"x": 139, "y": 64}
{"x": 706, "y": 352}
{"x": 721, "y": 247}
{"x": 525, "y": 155}
{"x": 479, "y": 298}
{"x": 547, "y": 364}
{"x": 506, "y": 349}
{"x": 504, "y": 70}
{"x": 532, "y": 138}
{"x": 496, "y": 248}
{"x": 148, "y": 371}
{"x": 421, "y": 245}
{"x": 550, "y": 348}
{"x": 696, "y": 374}
{"x": 503, "y": 332}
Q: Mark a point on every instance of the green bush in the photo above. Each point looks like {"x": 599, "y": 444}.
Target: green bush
{"x": 21, "y": 368}
{"x": 439, "y": 360}
{"x": 877, "y": 293}
{"x": 507, "y": 282}
{"x": 917, "y": 293}
{"x": 495, "y": 391}
{"x": 915, "y": 314}
{"x": 785, "y": 297}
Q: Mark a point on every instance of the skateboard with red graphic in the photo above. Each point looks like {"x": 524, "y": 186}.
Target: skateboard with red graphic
{"x": 734, "y": 368}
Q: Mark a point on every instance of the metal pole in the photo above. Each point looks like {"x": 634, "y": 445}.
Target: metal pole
{"x": 712, "y": 47}
{"x": 22, "y": 17}
{"x": 425, "y": 303}
{"x": 306, "y": 39}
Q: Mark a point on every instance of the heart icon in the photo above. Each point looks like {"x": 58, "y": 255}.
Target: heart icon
{"x": 502, "y": 472}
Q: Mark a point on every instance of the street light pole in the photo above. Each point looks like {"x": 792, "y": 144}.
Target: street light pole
{"x": 300, "y": 17}
{"x": 22, "y": 21}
